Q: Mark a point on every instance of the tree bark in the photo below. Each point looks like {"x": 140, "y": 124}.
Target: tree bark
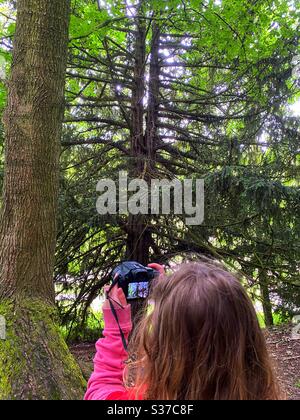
{"x": 137, "y": 236}
{"x": 143, "y": 142}
{"x": 266, "y": 301}
{"x": 35, "y": 363}
{"x": 144, "y": 135}
{"x": 153, "y": 100}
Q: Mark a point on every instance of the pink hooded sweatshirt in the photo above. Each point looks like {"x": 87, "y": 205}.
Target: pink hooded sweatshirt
{"x": 106, "y": 382}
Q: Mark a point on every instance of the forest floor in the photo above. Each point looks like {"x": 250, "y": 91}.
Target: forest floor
{"x": 286, "y": 355}
{"x": 284, "y": 350}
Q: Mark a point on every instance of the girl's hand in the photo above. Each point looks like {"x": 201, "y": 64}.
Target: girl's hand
{"x": 158, "y": 268}
{"x": 118, "y": 298}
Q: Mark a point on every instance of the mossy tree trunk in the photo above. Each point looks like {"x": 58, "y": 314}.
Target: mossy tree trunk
{"x": 35, "y": 363}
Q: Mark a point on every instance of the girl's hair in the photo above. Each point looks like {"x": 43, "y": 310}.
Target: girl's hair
{"x": 201, "y": 341}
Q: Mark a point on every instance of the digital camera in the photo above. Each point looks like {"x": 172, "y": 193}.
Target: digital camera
{"x": 134, "y": 279}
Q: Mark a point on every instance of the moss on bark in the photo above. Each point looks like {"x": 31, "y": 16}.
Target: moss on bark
{"x": 35, "y": 362}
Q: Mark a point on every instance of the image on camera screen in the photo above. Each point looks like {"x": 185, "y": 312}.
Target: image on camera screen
{"x": 138, "y": 290}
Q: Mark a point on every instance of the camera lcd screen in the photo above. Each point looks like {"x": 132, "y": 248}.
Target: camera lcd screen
{"x": 138, "y": 290}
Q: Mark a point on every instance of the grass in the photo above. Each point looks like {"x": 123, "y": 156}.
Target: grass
{"x": 298, "y": 384}
{"x": 91, "y": 331}
{"x": 277, "y": 320}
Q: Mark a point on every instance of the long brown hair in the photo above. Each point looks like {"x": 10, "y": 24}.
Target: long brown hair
{"x": 201, "y": 341}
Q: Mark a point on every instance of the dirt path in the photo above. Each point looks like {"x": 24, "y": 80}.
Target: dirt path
{"x": 285, "y": 352}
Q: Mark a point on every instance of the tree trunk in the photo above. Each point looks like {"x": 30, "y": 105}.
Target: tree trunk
{"x": 143, "y": 142}
{"x": 153, "y": 100}
{"x": 266, "y": 301}
{"x": 35, "y": 363}
{"x": 137, "y": 235}
{"x": 144, "y": 136}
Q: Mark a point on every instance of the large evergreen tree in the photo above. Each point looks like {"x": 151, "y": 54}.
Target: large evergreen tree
{"x": 182, "y": 89}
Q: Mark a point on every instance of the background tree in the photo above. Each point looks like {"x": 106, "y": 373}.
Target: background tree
{"x": 35, "y": 363}
{"x": 178, "y": 90}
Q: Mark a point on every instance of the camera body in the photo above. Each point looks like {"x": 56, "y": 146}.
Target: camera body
{"x": 134, "y": 279}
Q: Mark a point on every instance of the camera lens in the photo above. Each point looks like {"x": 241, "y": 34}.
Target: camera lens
{"x": 140, "y": 277}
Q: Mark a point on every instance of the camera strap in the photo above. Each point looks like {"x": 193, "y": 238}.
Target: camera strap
{"x": 114, "y": 312}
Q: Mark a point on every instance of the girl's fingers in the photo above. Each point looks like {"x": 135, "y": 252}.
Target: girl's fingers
{"x": 106, "y": 302}
{"x": 117, "y": 295}
{"x": 158, "y": 268}
{"x": 113, "y": 294}
{"x": 122, "y": 297}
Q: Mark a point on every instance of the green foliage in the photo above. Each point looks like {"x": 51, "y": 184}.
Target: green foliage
{"x": 7, "y": 29}
{"x": 89, "y": 331}
{"x": 278, "y": 319}
{"x": 87, "y": 19}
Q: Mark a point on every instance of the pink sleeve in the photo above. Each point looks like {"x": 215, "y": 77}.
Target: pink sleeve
{"x": 109, "y": 361}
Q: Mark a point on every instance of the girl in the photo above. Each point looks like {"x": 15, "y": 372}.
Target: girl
{"x": 201, "y": 341}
